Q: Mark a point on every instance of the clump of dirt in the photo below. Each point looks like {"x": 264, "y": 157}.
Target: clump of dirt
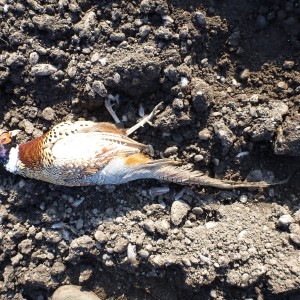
{"x": 228, "y": 76}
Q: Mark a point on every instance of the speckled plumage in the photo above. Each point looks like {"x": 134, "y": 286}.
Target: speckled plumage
{"x": 87, "y": 153}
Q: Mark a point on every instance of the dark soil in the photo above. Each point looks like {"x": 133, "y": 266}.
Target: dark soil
{"x": 228, "y": 75}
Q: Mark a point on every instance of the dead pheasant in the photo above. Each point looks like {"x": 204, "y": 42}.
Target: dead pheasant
{"x": 87, "y": 153}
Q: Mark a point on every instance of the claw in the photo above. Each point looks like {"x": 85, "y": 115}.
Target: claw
{"x": 145, "y": 120}
{"x": 109, "y": 103}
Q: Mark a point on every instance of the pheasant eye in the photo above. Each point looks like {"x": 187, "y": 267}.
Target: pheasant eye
{"x": 5, "y": 138}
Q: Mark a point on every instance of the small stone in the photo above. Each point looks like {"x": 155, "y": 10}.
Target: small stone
{"x": 198, "y": 157}
{"x": 295, "y": 233}
{"x": 204, "y": 134}
{"x": 243, "y": 198}
{"x": 72, "y": 71}
{"x": 15, "y": 60}
{"x": 245, "y": 74}
{"x": 178, "y": 104}
{"x": 171, "y": 151}
{"x": 85, "y": 274}
{"x": 82, "y": 245}
{"x": 69, "y": 292}
{"x": 39, "y": 277}
{"x": 285, "y": 221}
{"x": 149, "y": 226}
{"x": 199, "y": 19}
{"x": 288, "y": 64}
{"x": 95, "y": 57}
{"x": 33, "y": 58}
{"x": 117, "y": 78}
{"x": 255, "y": 175}
{"x": 197, "y": 211}
{"x": 79, "y": 224}
{"x": 117, "y": 37}
{"x": 27, "y": 125}
{"x": 43, "y": 70}
{"x": 162, "y": 227}
{"x": 58, "y": 268}
{"x": 120, "y": 245}
{"x": 225, "y": 135}
{"x": 48, "y": 114}
{"x": 101, "y": 237}
{"x": 186, "y": 262}
{"x": 16, "y": 259}
{"x": 99, "y": 88}
{"x": 144, "y": 31}
{"x": 282, "y": 85}
{"x": 144, "y": 254}
{"x": 296, "y": 215}
{"x": 25, "y": 247}
{"x": 216, "y": 161}
{"x": 179, "y": 211}
{"x": 213, "y": 294}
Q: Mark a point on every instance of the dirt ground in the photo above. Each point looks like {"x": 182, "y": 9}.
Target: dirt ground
{"x": 228, "y": 75}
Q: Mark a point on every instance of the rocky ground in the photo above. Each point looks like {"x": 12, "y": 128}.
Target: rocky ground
{"x": 227, "y": 73}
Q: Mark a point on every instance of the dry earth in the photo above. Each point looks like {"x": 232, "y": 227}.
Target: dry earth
{"x": 228, "y": 75}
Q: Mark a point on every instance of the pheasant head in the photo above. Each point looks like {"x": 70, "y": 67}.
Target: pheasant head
{"x": 5, "y": 145}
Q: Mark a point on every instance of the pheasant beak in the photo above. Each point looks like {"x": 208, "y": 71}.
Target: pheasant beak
{"x": 5, "y": 138}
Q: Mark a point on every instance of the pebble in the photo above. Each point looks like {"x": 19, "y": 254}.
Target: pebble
{"x": 197, "y": 211}
{"x": 186, "y": 262}
{"x": 149, "y": 226}
{"x": 117, "y": 37}
{"x": 144, "y": 253}
{"x": 131, "y": 254}
{"x": 101, "y": 236}
{"x": 171, "y": 151}
{"x": 213, "y": 294}
{"x": 162, "y": 227}
{"x": 179, "y": 211}
{"x": 255, "y": 175}
{"x": 178, "y": 104}
{"x": 282, "y": 85}
{"x": 25, "y": 247}
{"x": 296, "y": 215}
{"x": 245, "y": 74}
{"x": 27, "y": 125}
{"x": 198, "y": 157}
{"x": 99, "y": 88}
{"x": 72, "y": 71}
{"x": 95, "y": 57}
{"x": 288, "y": 65}
{"x": 33, "y": 58}
{"x": 82, "y": 245}
{"x": 43, "y": 70}
{"x": 48, "y": 114}
{"x": 16, "y": 259}
{"x": 73, "y": 292}
{"x": 243, "y": 198}
{"x": 144, "y": 31}
{"x": 295, "y": 233}
{"x": 199, "y": 19}
{"x": 204, "y": 134}
{"x": 15, "y": 60}
{"x": 79, "y": 224}
{"x": 285, "y": 221}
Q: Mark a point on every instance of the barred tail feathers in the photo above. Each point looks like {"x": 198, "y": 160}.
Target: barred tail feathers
{"x": 183, "y": 176}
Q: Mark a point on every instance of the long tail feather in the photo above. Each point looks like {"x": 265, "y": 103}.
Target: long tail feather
{"x": 183, "y": 176}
